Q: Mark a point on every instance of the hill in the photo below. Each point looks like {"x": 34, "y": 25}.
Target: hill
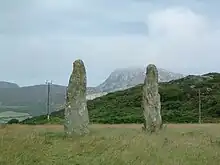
{"x": 125, "y": 78}
{"x": 179, "y": 103}
{"x": 4, "y": 84}
{"x": 32, "y": 99}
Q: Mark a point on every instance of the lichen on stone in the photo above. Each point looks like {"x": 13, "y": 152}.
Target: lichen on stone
{"x": 76, "y": 112}
{"x": 151, "y": 100}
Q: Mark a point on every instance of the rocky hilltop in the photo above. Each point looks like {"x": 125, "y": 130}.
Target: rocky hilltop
{"x": 128, "y": 77}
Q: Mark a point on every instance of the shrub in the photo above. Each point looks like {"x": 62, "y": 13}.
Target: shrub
{"x": 13, "y": 121}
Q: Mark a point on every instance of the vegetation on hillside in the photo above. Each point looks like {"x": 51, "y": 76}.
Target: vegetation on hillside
{"x": 13, "y": 121}
{"x": 179, "y": 103}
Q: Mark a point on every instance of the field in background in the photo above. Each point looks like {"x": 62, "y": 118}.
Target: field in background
{"x": 8, "y": 115}
{"x": 180, "y": 144}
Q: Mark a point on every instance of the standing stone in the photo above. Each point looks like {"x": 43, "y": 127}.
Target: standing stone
{"x": 76, "y": 112}
{"x": 151, "y": 100}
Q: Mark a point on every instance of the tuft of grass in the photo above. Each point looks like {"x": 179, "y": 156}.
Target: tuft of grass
{"x": 110, "y": 144}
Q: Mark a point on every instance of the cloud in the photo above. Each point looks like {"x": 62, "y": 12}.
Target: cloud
{"x": 40, "y": 39}
{"x": 184, "y": 36}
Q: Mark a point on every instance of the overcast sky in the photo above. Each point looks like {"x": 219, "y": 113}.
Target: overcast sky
{"x": 39, "y": 39}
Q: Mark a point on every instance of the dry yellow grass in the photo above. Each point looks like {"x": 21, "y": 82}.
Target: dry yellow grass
{"x": 112, "y": 145}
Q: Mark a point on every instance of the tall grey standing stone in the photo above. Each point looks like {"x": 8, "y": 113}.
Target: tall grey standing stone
{"x": 151, "y": 100}
{"x": 76, "y": 112}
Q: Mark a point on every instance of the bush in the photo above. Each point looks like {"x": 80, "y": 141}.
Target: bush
{"x": 13, "y": 121}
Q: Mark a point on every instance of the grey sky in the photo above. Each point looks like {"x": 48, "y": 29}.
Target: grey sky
{"x": 39, "y": 39}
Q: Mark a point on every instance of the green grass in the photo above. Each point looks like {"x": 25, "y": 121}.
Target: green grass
{"x": 110, "y": 144}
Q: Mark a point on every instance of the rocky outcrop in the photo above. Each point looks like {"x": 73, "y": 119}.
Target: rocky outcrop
{"x": 125, "y": 78}
{"x": 76, "y": 112}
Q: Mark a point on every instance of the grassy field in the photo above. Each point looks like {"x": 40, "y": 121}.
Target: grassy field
{"x": 110, "y": 145}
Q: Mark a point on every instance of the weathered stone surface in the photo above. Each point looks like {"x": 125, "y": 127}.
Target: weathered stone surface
{"x": 76, "y": 112}
{"x": 151, "y": 100}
